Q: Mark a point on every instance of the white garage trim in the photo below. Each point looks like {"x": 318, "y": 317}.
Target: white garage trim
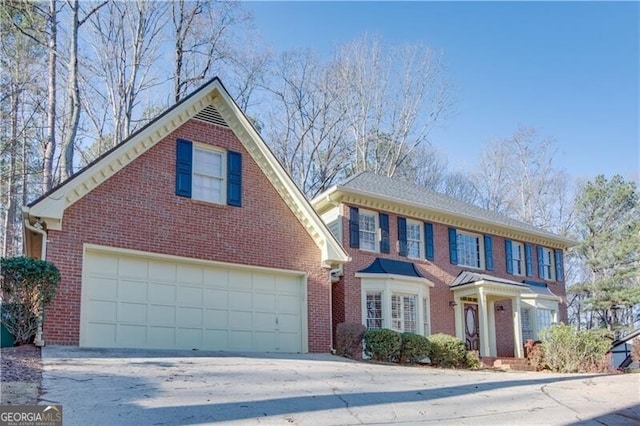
{"x": 132, "y": 298}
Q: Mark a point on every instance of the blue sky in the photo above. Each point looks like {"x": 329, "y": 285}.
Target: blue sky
{"x": 569, "y": 69}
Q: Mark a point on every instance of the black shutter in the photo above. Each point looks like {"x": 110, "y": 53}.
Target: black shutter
{"x": 559, "y": 266}
{"x": 488, "y": 253}
{"x": 384, "y": 232}
{"x": 428, "y": 241}
{"x": 402, "y": 236}
{"x": 509, "y": 256}
{"x": 354, "y": 228}
{"x": 528, "y": 250}
{"x": 234, "y": 178}
{"x": 453, "y": 246}
{"x": 184, "y": 161}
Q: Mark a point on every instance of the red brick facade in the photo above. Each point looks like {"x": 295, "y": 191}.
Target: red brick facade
{"x": 440, "y": 271}
{"x": 137, "y": 209}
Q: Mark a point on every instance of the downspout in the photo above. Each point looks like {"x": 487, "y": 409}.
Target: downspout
{"x": 37, "y": 228}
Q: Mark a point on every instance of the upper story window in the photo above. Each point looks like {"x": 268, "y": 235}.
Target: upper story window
{"x": 469, "y": 247}
{"x": 368, "y": 230}
{"x": 517, "y": 258}
{"x": 414, "y": 239}
{"x": 208, "y": 174}
{"x": 546, "y": 264}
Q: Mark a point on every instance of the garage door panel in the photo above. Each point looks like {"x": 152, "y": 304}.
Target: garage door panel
{"x": 144, "y": 301}
{"x": 131, "y": 334}
{"x": 132, "y": 312}
{"x": 162, "y": 315}
{"x": 191, "y": 296}
{"x": 215, "y": 278}
{"x": 266, "y": 282}
{"x": 240, "y": 300}
{"x": 189, "y": 317}
{"x": 105, "y": 288}
{"x": 160, "y": 337}
{"x": 133, "y": 267}
{"x": 215, "y": 298}
{"x": 162, "y": 271}
{"x": 240, "y": 320}
{"x": 190, "y": 274}
{"x": 240, "y": 280}
{"x": 189, "y": 338}
{"x": 214, "y": 318}
{"x": 101, "y": 310}
{"x": 133, "y": 291}
{"x": 162, "y": 293}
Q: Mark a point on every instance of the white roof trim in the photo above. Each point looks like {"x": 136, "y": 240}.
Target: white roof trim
{"x": 51, "y": 207}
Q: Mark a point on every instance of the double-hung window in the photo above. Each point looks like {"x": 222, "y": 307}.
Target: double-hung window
{"x": 368, "y": 230}
{"x": 546, "y": 263}
{"x": 414, "y": 239}
{"x": 517, "y": 258}
{"x": 208, "y": 175}
{"x": 469, "y": 247}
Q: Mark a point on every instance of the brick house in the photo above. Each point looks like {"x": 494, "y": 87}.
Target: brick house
{"x": 187, "y": 235}
{"x": 427, "y": 263}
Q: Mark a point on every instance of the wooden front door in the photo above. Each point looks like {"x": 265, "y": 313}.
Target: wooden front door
{"x": 471, "y": 327}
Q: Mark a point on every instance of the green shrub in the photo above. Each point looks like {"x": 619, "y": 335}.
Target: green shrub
{"x": 447, "y": 351}
{"x": 472, "y": 360}
{"x": 567, "y": 350}
{"x": 27, "y": 286}
{"x": 414, "y": 347}
{"x": 349, "y": 339}
{"x": 382, "y": 344}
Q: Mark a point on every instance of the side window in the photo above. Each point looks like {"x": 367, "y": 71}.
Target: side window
{"x": 368, "y": 230}
{"x": 374, "y": 309}
{"x": 414, "y": 239}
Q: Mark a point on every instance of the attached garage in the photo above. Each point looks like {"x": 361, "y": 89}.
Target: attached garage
{"x": 141, "y": 300}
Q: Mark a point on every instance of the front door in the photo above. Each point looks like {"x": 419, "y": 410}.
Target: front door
{"x": 471, "y": 327}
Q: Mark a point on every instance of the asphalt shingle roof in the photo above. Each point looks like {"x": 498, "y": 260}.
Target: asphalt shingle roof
{"x": 402, "y": 191}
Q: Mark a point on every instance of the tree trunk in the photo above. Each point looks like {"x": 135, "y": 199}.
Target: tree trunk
{"x": 50, "y": 146}
{"x": 10, "y": 228}
{"x": 73, "y": 97}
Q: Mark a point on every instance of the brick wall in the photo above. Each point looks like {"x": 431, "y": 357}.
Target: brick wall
{"x": 137, "y": 209}
{"x": 441, "y": 273}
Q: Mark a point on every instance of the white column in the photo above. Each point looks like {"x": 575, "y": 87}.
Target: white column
{"x": 484, "y": 324}
{"x": 517, "y": 328}
{"x": 493, "y": 346}
{"x": 458, "y": 313}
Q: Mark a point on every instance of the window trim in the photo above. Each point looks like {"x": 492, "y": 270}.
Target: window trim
{"x": 420, "y": 239}
{"x": 481, "y": 253}
{"x": 223, "y": 173}
{"x": 515, "y": 245}
{"x": 548, "y": 270}
{"x": 376, "y": 230}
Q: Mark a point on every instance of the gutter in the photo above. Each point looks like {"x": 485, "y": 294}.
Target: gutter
{"x": 37, "y": 228}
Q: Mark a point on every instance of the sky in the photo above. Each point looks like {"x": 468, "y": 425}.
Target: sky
{"x": 571, "y": 70}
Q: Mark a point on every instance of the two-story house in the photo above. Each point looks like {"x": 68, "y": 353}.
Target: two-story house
{"x": 423, "y": 262}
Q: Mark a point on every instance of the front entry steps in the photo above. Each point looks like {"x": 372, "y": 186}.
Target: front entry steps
{"x": 507, "y": 363}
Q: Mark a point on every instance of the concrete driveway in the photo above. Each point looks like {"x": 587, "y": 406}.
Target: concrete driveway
{"x": 133, "y": 387}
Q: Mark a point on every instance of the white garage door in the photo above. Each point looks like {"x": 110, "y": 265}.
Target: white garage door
{"x": 141, "y": 301}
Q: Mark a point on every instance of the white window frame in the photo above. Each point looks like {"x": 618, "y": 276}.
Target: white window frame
{"x": 388, "y": 285}
{"x": 400, "y": 321}
{"x": 369, "y": 321}
{"x": 195, "y": 194}
{"x": 548, "y": 264}
{"x": 413, "y": 243}
{"x": 375, "y": 233}
{"x": 518, "y": 263}
{"x": 536, "y": 305}
{"x": 461, "y": 250}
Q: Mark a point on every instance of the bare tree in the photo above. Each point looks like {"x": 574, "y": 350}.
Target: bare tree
{"x": 125, "y": 40}
{"x": 201, "y": 33}
{"x": 393, "y": 97}
{"x": 307, "y": 121}
{"x": 73, "y": 104}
